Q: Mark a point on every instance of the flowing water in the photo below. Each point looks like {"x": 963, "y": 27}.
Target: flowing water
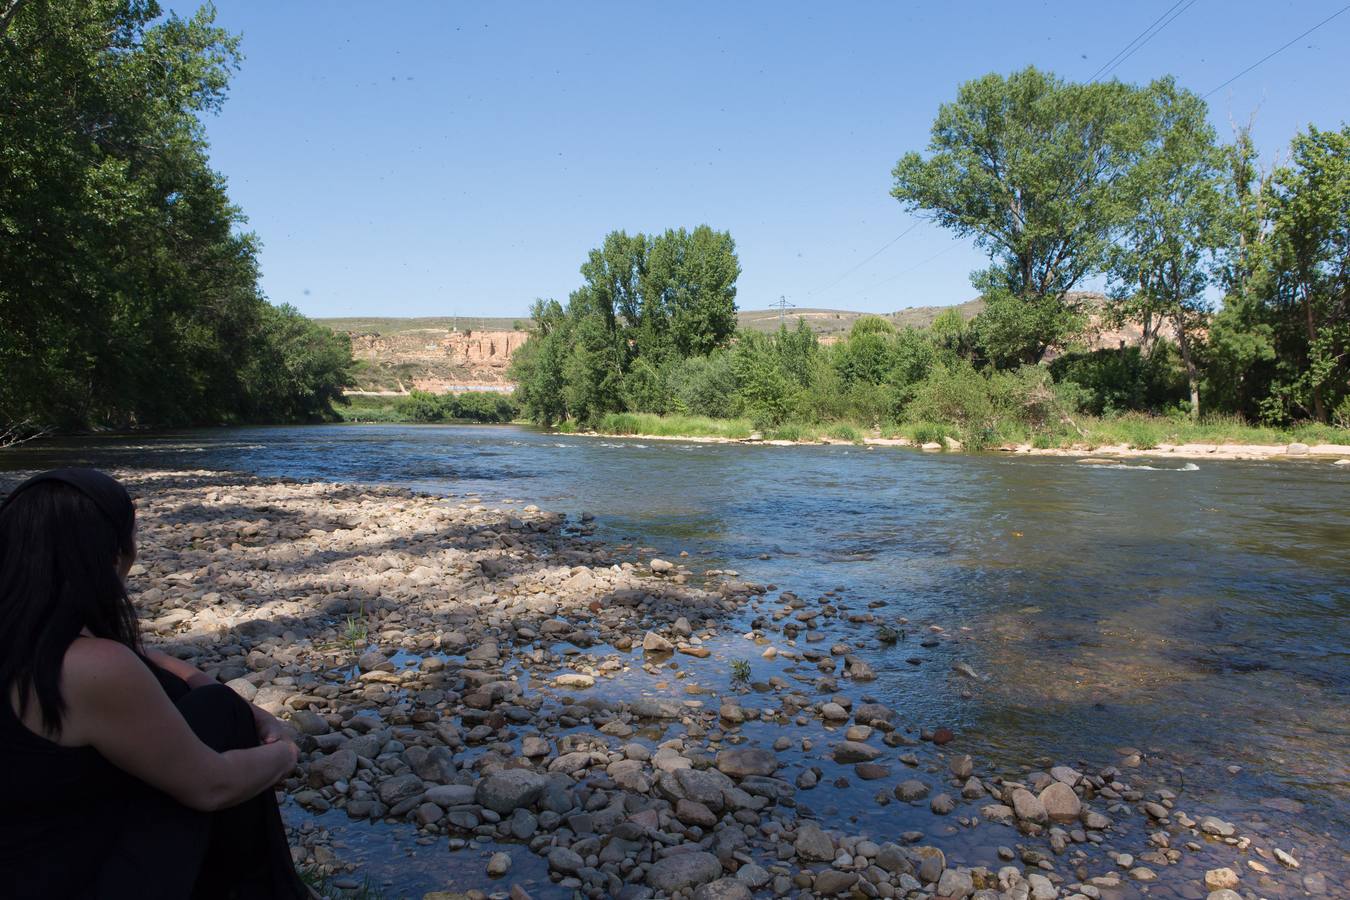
{"x": 1199, "y": 612}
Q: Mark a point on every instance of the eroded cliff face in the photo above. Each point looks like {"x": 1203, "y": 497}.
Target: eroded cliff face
{"x": 436, "y": 360}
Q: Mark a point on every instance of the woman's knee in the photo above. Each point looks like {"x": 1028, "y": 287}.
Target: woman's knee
{"x": 219, "y": 717}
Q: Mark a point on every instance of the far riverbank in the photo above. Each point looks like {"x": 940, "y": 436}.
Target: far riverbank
{"x": 1337, "y": 454}
{"x": 1129, "y": 437}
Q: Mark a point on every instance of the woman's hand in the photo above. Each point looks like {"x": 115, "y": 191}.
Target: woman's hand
{"x": 270, "y": 729}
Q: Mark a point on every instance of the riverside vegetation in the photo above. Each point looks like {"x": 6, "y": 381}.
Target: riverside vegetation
{"x": 127, "y": 296}
{"x": 1135, "y": 190}
{"x": 562, "y": 716}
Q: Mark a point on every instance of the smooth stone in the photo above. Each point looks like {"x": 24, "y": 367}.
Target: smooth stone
{"x": 1028, "y": 806}
{"x": 910, "y": 790}
{"x": 724, "y": 889}
{"x": 683, "y": 870}
{"x": 504, "y": 791}
{"x": 832, "y": 882}
{"x": 1061, "y": 804}
{"x": 740, "y": 762}
{"x": 813, "y": 844}
{"x": 561, "y": 859}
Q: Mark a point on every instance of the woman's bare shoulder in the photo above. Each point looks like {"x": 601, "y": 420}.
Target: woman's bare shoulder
{"x": 97, "y": 665}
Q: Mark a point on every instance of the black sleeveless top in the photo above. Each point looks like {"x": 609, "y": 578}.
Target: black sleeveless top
{"x": 57, "y": 804}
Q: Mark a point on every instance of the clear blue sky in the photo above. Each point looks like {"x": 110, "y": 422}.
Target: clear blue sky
{"x": 437, "y": 158}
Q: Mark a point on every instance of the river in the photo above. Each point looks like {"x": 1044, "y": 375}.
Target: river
{"x": 1198, "y": 612}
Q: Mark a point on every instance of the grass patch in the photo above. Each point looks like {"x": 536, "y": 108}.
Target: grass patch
{"x": 1135, "y": 430}
{"x": 929, "y": 433}
{"x": 845, "y": 432}
{"x": 380, "y": 410}
{"x": 653, "y": 425}
{"x": 1147, "y": 432}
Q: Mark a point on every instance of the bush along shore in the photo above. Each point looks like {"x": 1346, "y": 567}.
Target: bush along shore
{"x": 498, "y": 682}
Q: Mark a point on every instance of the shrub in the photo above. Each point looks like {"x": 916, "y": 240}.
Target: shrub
{"x": 765, "y": 392}
{"x": 644, "y": 388}
{"x": 1116, "y": 381}
{"x": 954, "y": 394}
{"x": 420, "y": 406}
{"x": 483, "y": 406}
{"x": 473, "y": 406}
{"x": 928, "y": 433}
{"x": 703, "y": 385}
{"x": 845, "y": 432}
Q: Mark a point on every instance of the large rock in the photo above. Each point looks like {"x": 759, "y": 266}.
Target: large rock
{"x": 654, "y": 643}
{"x": 448, "y": 795}
{"x": 723, "y": 889}
{"x": 813, "y": 844}
{"x": 394, "y": 791}
{"x": 691, "y": 812}
{"x": 683, "y": 870}
{"x": 647, "y": 708}
{"x": 708, "y": 787}
{"x": 337, "y": 766}
{"x": 1028, "y": 806}
{"x": 833, "y": 883}
{"x": 568, "y": 862}
{"x": 873, "y": 714}
{"x": 738, "y": 762}
{"x": 911, "y": 790}
{"x": 854, "y": 752}
{"x": 502, "y": 792}
{"x": 956, "y": 884}
{"x": 1061, "y": 803}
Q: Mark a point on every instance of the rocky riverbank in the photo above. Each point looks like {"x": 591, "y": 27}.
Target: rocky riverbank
{"x": 545, "y": 715}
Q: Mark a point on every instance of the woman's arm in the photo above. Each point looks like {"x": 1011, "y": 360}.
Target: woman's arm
{"x": 117, "y": 706}
{"x": 194, "y": 676}
{"x": 270, "y": 729}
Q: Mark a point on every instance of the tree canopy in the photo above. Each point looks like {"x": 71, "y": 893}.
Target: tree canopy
{"x": 128, "y": 293}
{"x": 1030, "y": 167}
{"x": 1060, "y": 182}
{"x": 646, "y": 300}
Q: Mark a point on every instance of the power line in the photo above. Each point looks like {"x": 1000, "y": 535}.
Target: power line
{"x": 855, "y": 268}
{"x": 1103, "y": 66}
{"x": 1111, "y": 66}
{"x": 1275, "y": 52}
{"x": 903, "y": 272}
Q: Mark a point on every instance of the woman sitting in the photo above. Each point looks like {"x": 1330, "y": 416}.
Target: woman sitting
{"x": 123, "y": 772}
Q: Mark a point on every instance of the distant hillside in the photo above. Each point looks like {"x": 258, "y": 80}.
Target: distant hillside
{"x": 455, "y": 353}
{"x": 401, "y": 325}
{"x": 836, "y": 322}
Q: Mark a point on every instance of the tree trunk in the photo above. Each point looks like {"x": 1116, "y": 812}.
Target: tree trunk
{"x": 1192, "y": 375}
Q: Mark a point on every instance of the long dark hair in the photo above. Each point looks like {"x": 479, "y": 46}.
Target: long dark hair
{"x": 62, "y": 536}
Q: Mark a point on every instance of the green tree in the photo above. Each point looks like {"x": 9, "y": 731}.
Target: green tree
{"x": 1310, "y": 258}
{"x": 764, "y": 390}
{"x": 1160, "y": 265}
{"x": 127, "y": 294}
{"x": 691, "y": 281}
{"x": 1029, "y": 166}
{"x": 537, "y": 367}
{"x": 645, "y": 304}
